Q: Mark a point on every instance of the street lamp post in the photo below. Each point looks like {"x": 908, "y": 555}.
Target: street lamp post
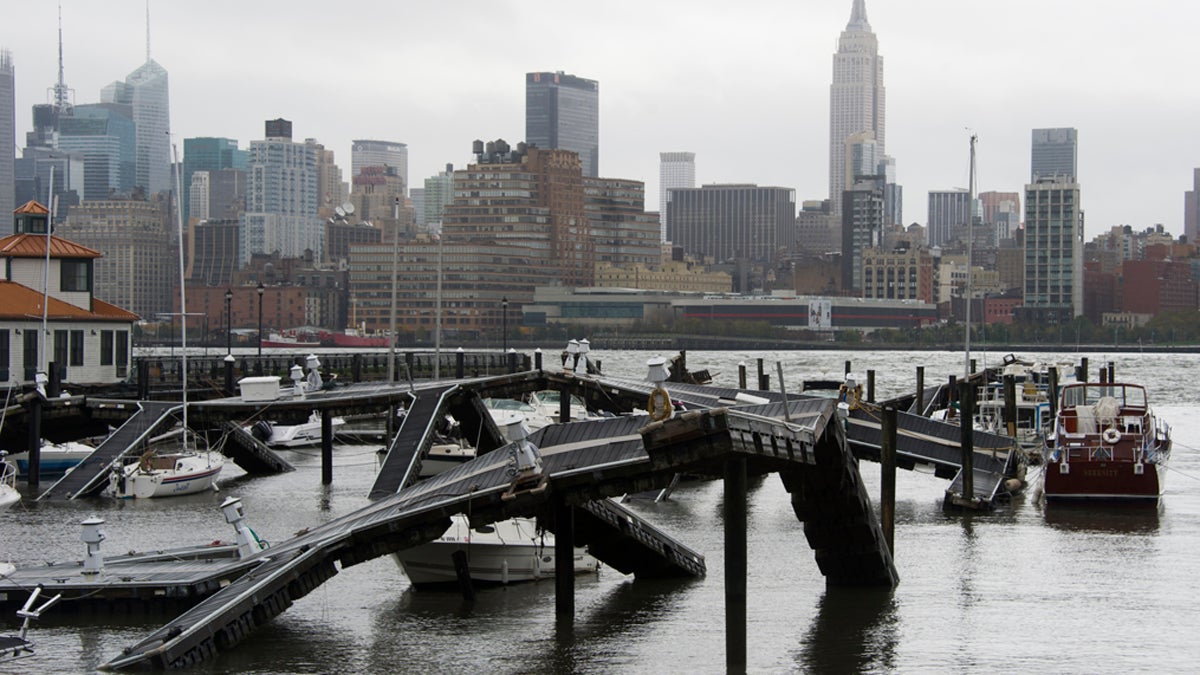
{"x": 228, "y": 321}
{"x": 260, "y": 340}
{"x": 504, "y": 324}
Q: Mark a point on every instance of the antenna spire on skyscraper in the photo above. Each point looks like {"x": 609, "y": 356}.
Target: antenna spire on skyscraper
{"x": 147, "y": 30}
{"x": 61, "y": 92}
{"x": 858, "y": 17}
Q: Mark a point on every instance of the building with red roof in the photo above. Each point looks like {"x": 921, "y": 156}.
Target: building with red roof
{"x": 49, "y": 280}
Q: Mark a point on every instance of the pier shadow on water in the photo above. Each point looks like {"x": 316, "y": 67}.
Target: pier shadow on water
{"x": 514, "y": 629}
{"x": 855, "y": 630}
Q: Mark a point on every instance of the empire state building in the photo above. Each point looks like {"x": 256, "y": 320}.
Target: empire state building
{"x": 856, "y": 98}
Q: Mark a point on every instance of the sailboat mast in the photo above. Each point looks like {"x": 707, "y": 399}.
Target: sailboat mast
{"x": 970, "y": 240}
{"x": 182, "y": 295}
{"x": 44, "y": 364}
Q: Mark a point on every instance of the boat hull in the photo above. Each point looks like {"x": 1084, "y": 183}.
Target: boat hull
{"x": 512, "y": 553}
{"x": 295, "y": 435}
{"x": 1102, "y": 480}
{"x": 199, "y": 474}
{"x": 56, "y": 459}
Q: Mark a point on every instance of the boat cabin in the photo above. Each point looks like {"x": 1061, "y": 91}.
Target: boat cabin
{"x": 1093, "y": 408}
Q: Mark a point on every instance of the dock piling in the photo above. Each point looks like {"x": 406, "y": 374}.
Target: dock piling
{"x": 871, "y": 386}
{"x": 887, "y": 480}
{"x": 741, "y": 375}
{"x": 1082, "y": 373}
{"x": 1112, "y": 372}
{"x": 33, "y": 475}
{"x": 462, "y": 570}
{"x": 920, "y": 390}
{"x": 564, "y": 561}
{"x": 735, "y": 565}
{"x": 229, "y": 390}
{"x": 966, "y": 413}
{"x": 1010, "y": 405}
{"x": 847, "y": 367}
{"x": 1053, "y": 393}
{"x": 326, "y": 447}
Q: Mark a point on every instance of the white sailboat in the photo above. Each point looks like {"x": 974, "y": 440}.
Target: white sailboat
{"x": 169, "y": 473}
{"x": 173, "y": 473}
{"x": 8, "y": 483}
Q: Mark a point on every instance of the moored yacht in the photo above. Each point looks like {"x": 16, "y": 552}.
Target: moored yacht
{"x": 1107, "y": 444}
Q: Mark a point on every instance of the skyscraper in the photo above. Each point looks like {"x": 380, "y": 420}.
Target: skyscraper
{"x": 856, "y": 97}
{"x": 948, "y": 209}
{"x": 145, "y": 91}
{"x": 862, "y": 228}
{"x": 563, "y": 112}
{"x": 728, "y": 222}
{"x": 1054, "y": 154}
{"x": 439, "y": 192}
{"x": 364, "y": 153}
{"x": 105, "y": 136}
{"x": 211, "y": 155}
{"x": 1053, "y": 252}
{"x": 282, "y": 196}
{"x": 8, "y": 141}
{"x": 675, "y": 170}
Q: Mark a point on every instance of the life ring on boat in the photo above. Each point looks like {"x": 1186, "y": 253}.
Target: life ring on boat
{"x": 659, "y": 404}
{"x": 1111, "y": 435}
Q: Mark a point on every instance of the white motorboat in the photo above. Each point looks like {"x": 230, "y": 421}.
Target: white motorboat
{"x": 166, "y": 474}
{"x": 56, "y": 458}
{"x": 506, "y": 552}
{"x": 293, "y": 435}
{"x": 445, "y": 456}
{"x": 8, "y": 483}
{"x": 539, "y": 409}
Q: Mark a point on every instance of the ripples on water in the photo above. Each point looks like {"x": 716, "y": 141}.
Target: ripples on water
{"x": 1025, "y": 588}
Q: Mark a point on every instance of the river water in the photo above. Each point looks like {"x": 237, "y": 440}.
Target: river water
{"x": 1027, "y": 587}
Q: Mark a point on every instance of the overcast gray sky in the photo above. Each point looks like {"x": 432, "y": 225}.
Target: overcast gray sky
{"x": 743, "y": 85}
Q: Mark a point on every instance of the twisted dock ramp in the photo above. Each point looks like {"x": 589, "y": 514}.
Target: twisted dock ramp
{"x": 623, "y": 540}
{"x": 250, "y": 453}
{"x": 90, "y": 475}
{"x": 402, "y": 464}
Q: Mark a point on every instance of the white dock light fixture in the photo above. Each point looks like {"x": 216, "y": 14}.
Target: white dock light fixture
{"x": 297, "y": 374}
{"x": 248, "y": 542}
{"x": 658, "y": 372}
{"x": 584, "y": 349}
{"x": 659, "y": 406}
{"x": 314, "y": 381}
{"x": 572, "y": 356}
{"x": 93, "y": 560}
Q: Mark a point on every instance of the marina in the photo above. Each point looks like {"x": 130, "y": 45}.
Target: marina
{"x": 610, "y": 586}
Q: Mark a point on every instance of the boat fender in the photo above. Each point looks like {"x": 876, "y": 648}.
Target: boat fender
{"x": 659, "y": 404}
{"x": 1111, "y": 435}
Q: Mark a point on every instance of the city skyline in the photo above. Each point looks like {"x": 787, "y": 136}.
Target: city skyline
{"x": 755, "y": 110}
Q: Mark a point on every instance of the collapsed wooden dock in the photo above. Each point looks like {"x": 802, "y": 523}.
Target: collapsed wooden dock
{"x": 585, "y": 464}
